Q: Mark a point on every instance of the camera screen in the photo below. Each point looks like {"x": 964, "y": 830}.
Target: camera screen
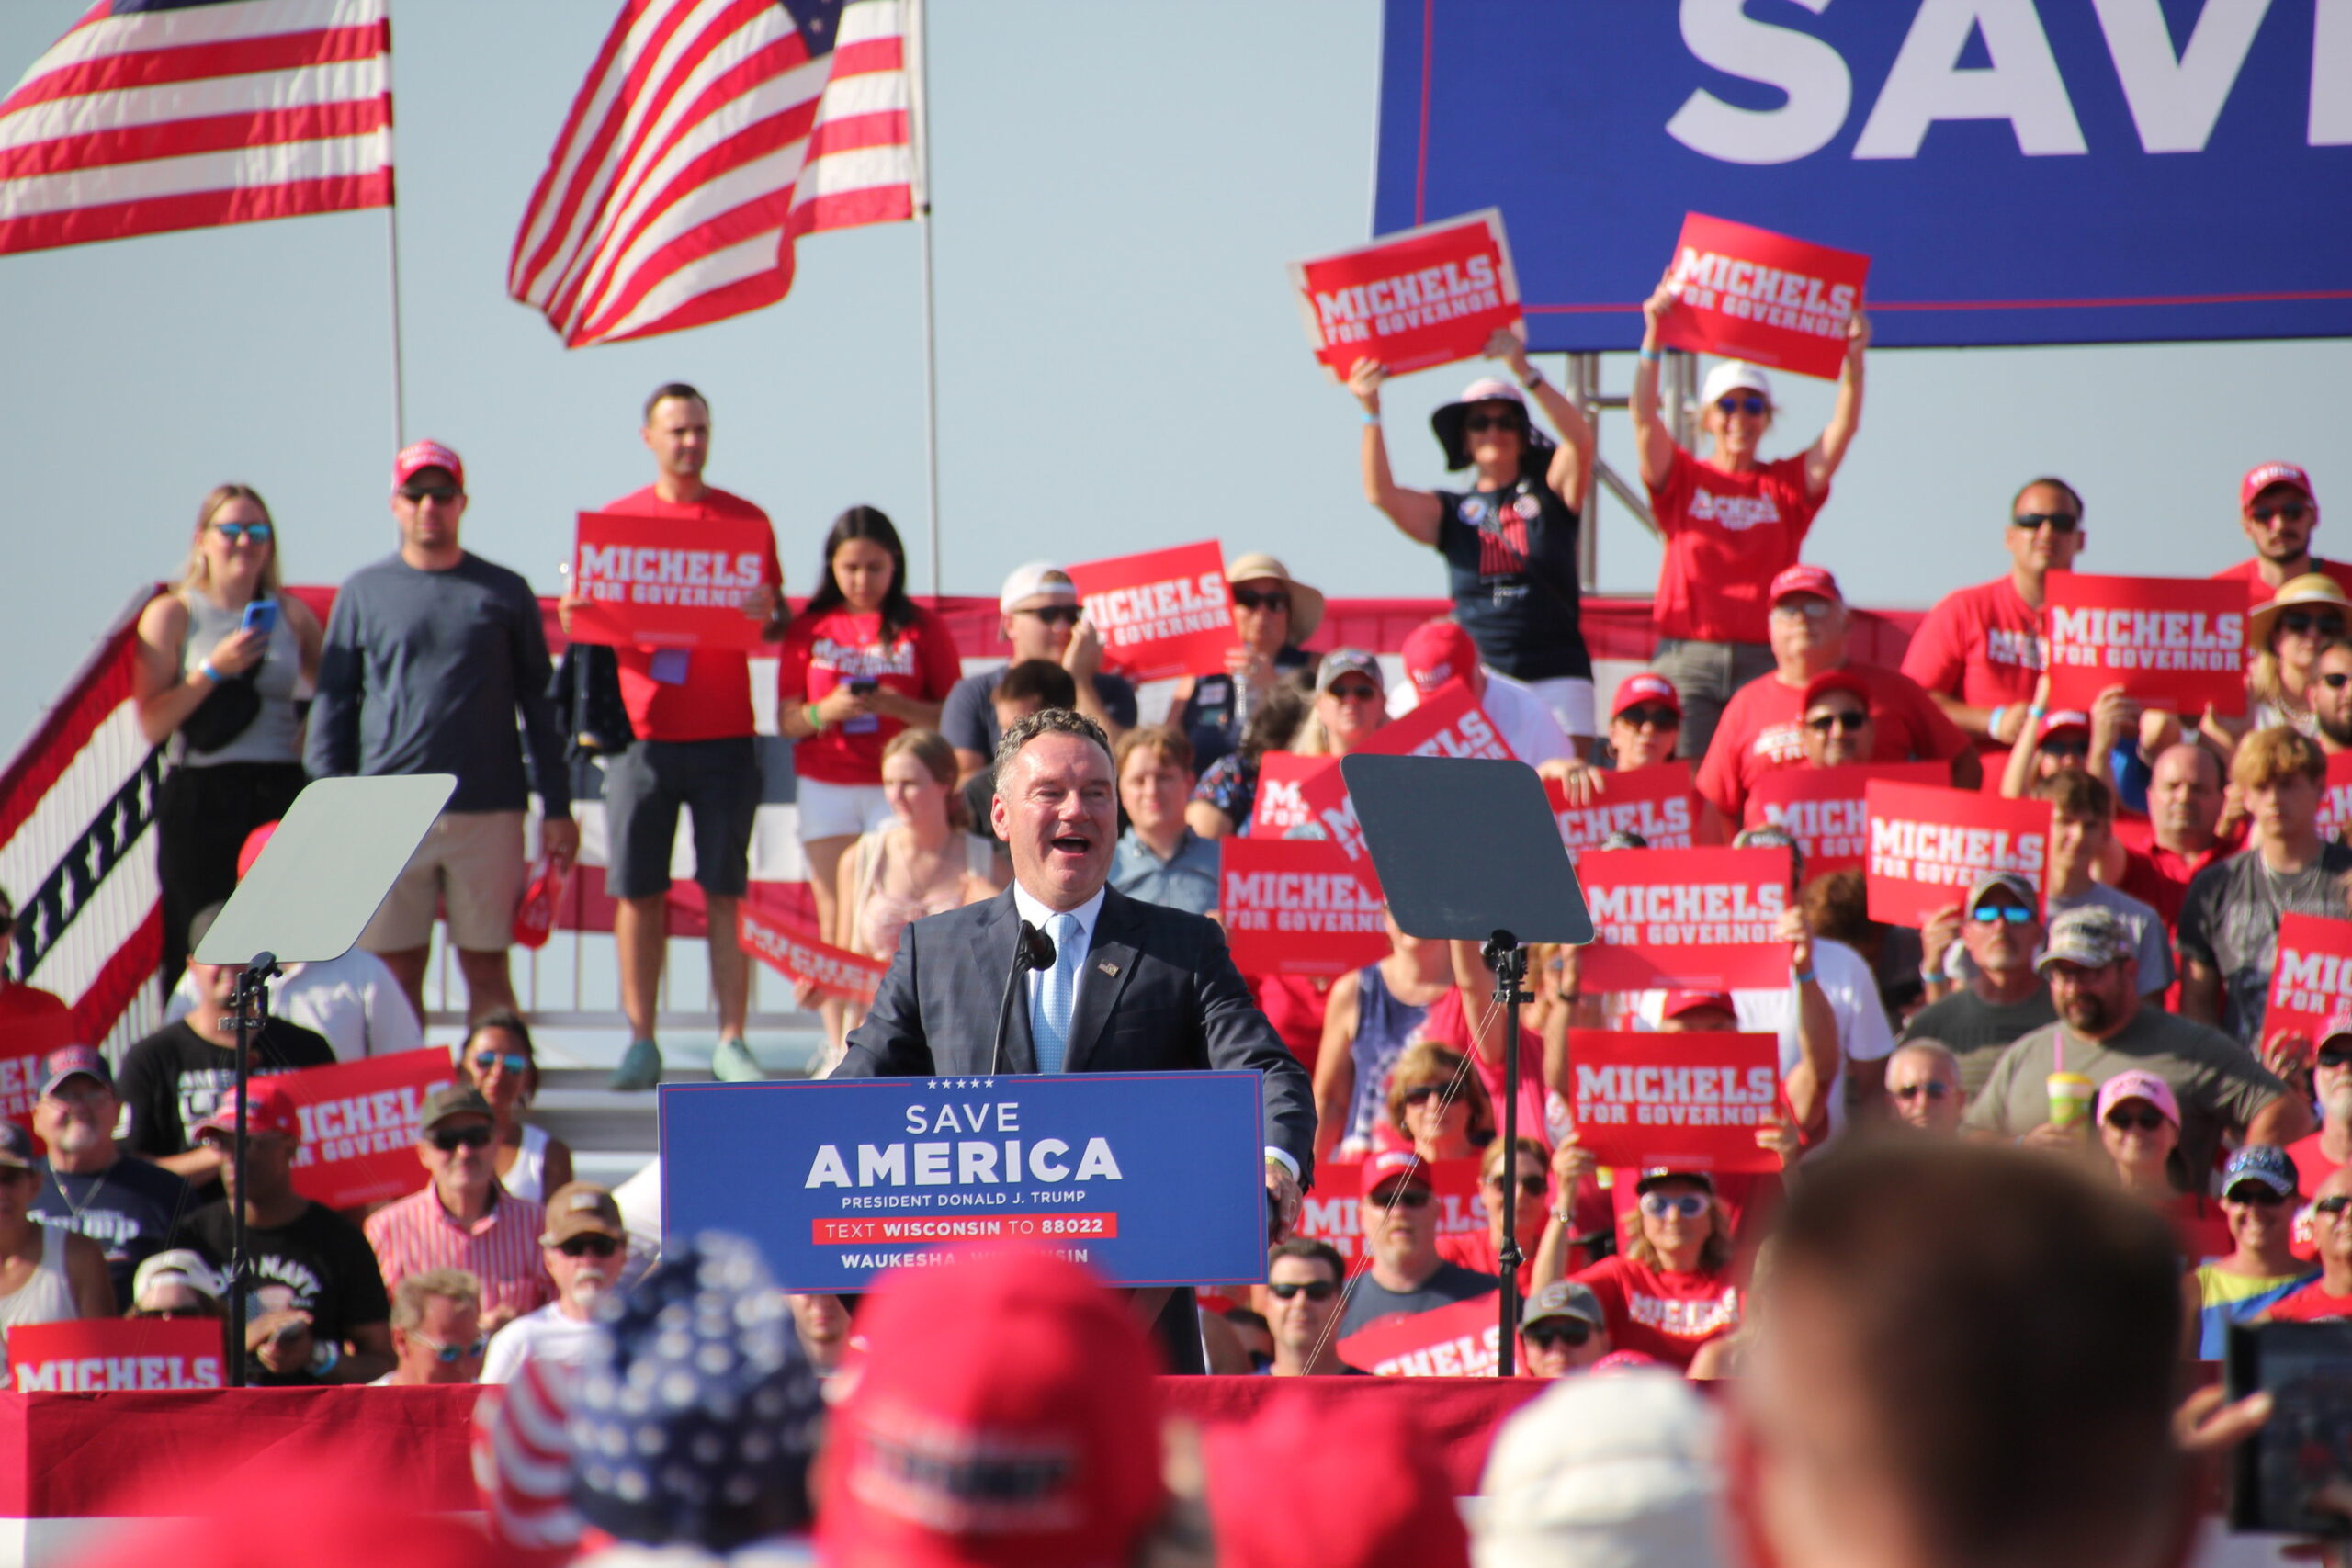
{"x": 2307, "y": 1368}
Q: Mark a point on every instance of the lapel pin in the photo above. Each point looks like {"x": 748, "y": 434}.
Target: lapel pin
{"x": 1105, "y": 966}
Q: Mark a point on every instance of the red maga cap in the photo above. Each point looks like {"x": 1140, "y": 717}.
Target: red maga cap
{"x": 1438, "y": 651}
{"x": 1282, "y": 1493}
{"x": 267, "y": 1111}
{"x": 427, "y": 455}
{"x": 256, "y": 841}
{"x": 1814, "y": 579}
{"x": 1842, "y": 679}
{"x": 1679, "y": 1002}
{"x": 2262, "y": 476}
{"x": 1388, "y": 1164}
{"x": 1645, "y": 688}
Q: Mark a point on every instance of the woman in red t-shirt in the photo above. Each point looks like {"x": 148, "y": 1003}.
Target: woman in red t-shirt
{"x": 1730, "y": 523}
{"x": 859, "y": 664}
{"x": 1670, "y": 1289}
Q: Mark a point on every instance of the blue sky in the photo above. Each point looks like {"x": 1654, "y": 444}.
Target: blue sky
{"x": 1119, "y": 186}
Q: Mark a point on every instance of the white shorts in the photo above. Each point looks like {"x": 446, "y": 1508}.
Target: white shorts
{"x": 841, "y": 811}
{"x": 1570, "y": 698}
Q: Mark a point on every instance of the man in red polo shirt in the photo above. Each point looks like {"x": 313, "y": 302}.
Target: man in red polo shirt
{"x": 2280, "y": 511}
{"x": 2154, "y": 857}
{"x": 696, "y": 747}
{"x": 1980, "y": 648}
{"x": 1762, "y": 727}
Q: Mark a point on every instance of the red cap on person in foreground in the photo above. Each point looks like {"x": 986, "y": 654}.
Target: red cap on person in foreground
{"x": 256, "y": 841}
{"x": 1302, "y": 1484}
{"x": 1842, "y": 679}
{"x": 1004, "y": 1416}
{"x": 1679, "y": 1002}
{"x": 2262, "y": 476}
{"x": 1813, "y": 579}
{"x": 268, "y": 1108}
{"x": 1438, "y": 651}
{"x": 419, "y": 455}
{"x": 2064, "y": 718}
{"x": 1645, "y": 687}
{"x": 1386, "y": 1164}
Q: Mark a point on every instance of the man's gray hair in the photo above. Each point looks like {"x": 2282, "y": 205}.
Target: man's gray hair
{"x": 1045, "y": 721}
{"x": 1935, "y": 1050}
{"x": 450, "y": 1284}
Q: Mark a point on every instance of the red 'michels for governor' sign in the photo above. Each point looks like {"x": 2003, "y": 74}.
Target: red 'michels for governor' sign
{"x": 1687, "y": 1102}
{"x": 1160, "y": 614}
{"x": 1447, "y": 722}
{"x": 1823, "y": 811}
{"x": 2177, "y": 642}
{"x": 2310, "y": 983}
{"x": 1930, "y": 845}
{"x": 2336, "y": 803}
{"x": 1751, "y": 294}
{"x": 1659, "y": 803}
{"x": 1428, "y": 296}
{"x": 796, "y": 953}
{"x": 1298, "y": 907}
{"x": 1685, "y": 919}
{"x": 667, "y": 583}
{"x": 118, "y": 1355}
{"x": 359, "y": 1125}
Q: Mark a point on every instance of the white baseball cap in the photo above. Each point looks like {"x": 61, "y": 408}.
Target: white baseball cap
{"x": 1036, "y": 579}
{"x": 1735, "y": 375}
{"x": 1606, "y": 1468}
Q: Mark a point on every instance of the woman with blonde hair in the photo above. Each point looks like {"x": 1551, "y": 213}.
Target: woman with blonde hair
{"x": 1436, "y": 1104}
{"x": 222, "y": 658}
{"x": 927, "y": 861}
{"x": 1670, "y": 1289}
{"x": 2284, "y": 638}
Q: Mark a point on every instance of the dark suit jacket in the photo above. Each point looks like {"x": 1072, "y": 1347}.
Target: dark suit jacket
{"x": 1160, "y": 992}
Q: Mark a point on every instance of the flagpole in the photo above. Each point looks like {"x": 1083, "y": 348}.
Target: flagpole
{"x": 392, "y": 249}
{"x": 922, "y": 106}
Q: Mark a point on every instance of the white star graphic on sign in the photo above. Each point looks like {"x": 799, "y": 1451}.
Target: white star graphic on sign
{"x": 934, "y": 1083}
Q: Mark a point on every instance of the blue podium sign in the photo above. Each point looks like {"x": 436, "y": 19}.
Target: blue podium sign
{"x": 1148, "y": 1178}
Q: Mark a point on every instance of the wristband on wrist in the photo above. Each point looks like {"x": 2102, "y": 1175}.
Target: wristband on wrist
{"x": 1372, "y": 419}
{"x": 809, "y": 711}
{"x": 1805, "y": 976}
{"x": 1653, "y": 354}
{"x": 209, "y": 673}
{"x": 1533, "y": 379}
{"x": 1993, "y": 725}
{"x": 326, "y": 1354}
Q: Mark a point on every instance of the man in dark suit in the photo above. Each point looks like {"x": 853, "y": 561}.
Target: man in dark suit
{"x": 1135, "y": 987}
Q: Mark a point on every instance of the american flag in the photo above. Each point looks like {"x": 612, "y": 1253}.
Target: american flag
{"x": 155, "y": 115}
{"x": 709, "y": 136}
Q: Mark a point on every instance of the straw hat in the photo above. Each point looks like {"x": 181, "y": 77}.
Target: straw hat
{"x": 1305, "y": 603}
{"x": 2313, "y": 590}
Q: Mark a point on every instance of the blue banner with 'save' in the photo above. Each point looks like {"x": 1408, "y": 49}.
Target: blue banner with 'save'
{"x": 2065, "y": 171}
{"x": 1148, "y": 1178}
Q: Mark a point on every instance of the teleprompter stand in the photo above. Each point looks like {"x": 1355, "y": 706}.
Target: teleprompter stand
{"x": 1469, "y": 850}
{"x": 313, "y": 890}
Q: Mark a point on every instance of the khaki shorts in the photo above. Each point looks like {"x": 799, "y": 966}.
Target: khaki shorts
{"x": 471, "y": 864}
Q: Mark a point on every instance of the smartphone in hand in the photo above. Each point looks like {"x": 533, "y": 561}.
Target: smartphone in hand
{"x": 261, "y": 616}
{"x": 864, "y": 687}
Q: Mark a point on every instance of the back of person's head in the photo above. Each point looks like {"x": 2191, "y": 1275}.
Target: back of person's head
{"x": 2083, "y": 796}
{"x": 1966, "y": 1359}
{"x": 1275, "y": 722}
{"x": 1004, "y": 1416}
{"x": 1039, "y": 680}
{"x": 2269, "y": 757}
{"x": 1608, "y": 1470}
{"x": 1837, "y": 904}
{"x": 1289, "y": 1490}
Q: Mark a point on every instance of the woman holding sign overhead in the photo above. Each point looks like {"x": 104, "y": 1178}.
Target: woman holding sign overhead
{"x": 1730, "y": 522}
{"x": 1509, "y": 541}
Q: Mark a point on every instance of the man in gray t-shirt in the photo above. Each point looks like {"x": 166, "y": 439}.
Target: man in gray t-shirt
{"x": 1399, "y": 1224}
{"x": 431, "y": 655}
{"x": 2105, "y": 1028}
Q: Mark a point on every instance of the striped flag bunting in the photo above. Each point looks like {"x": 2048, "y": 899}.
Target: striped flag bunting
{"x": 151, "y": 116}
{"x": 709, "y": 135}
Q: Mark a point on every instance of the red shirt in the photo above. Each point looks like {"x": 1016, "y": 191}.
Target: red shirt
{"x": 1294, "y": 1005}
{"x": 842, "y": 645}
{"x": 1760, "y": 732}
{"x": 1476, "y": 1250}
{"x": 2310, "y": 1304}
{"x": 2310, "y": 1161}
{"x": 2258, "y": 593}
{"x": 1727, "y": 536}
{"x": 1983, "y": 645}
{"x": 1445, "y": 1024}
{"x": 2159, "y": 877}
{"x": 34, "y": 1023}
{"x": 1664, "y": 1315}
{"x": 714, "y": 701}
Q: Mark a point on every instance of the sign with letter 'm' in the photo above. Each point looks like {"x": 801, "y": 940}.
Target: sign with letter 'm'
{"x": 1751, "y": 294}
{"x": 1160, "y": 614}
{"x": 1928, "y": 846}
{"x": 359, "y": 1125}
{"x": 2310, "y": 984}
{"x": 668, "y": 583}
{"x": 1148, "y": 1178}
{"x": 1412, "y": 301}
{"x": 1685, "y": 919}
{"x": 2179, "y": 642}
{"x": 1687, "y": 1102}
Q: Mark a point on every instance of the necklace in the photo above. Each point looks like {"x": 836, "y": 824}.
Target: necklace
{"x": 58, "y": 1181}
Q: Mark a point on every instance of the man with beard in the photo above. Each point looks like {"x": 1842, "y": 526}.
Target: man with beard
{"x": 585, "y": 1246}
{"x": 2105, "y": 1028}
{"x": 127, "y": 1206}
{"x": 2331, "y": 697}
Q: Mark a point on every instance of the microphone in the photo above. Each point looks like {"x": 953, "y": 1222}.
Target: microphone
{"x": 1032, "y": 949}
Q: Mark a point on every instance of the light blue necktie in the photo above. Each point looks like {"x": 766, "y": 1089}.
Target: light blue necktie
{"x": 1056, "y": 990}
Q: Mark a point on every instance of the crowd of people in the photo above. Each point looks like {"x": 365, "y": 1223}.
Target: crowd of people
{"x": 2110, "y": 1017}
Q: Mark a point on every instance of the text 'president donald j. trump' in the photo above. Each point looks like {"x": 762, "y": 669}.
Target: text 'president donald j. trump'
{"x": 1134, "y": 987}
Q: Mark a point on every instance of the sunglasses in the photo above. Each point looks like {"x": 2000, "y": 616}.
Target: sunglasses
{"x": 2253, "y": 1194}
{"x": 2285, "y": 511}
{"x": 1751, "y": 405}
{"x": 1317, "y": 1289}
{"x": 2001, "y": 914}
{"x": 1354, "y": 692}
{"x": 1934, "y": 1088}
{"x": 588, "y": 1246}
{"x": 1415, "y": 1096}
{"x": 1847, "y": 722}
{"x": 512, "y": 1061}
{"x": 2333, "y": 1057}
{"x": 443, "y": 493}
{"x": 1250, "y": 599}
{"x": 1650, "y": 718}
{"x": 1551, "y": 1335}
{"x": 1478, "y": 422}
{"x": 2145, "y": 1120}
{"x": 167, "y": 1314}
{"x": 450, "y": 1140}
{"x": 2303, "y": 623}
{"x": 2056, "y": 522}
{"x": 1688, "y": 1205}
{"x": 1404, "y": 1197}
{"x": 1056, "y": 614}
{"x": 237, "y": 533}
{"x": 2066, "y": 748}
{"x": 1531, "y": 1186}
{"x": 450, "y": 1355}
{"x": 2334, "y": 1204}
{"x": 1809, "y": 607}
{"x": 2334, "y": 681}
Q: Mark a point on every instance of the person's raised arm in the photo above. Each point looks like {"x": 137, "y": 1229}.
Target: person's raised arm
{"x": 1573, "y": 460}
{"x": 1476, "y": 982}
{"x": 2280, "y": 1122}
{"x": 1823, "y": 457}
{"x": 1335, "y": 1064}
{"x": 1653, "y": 442}
{"x": 1807, "y": 1087}
{"x": 1416, "y": 513}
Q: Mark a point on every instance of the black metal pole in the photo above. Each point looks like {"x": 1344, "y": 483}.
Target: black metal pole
{"x": 252, "y": 1017}
{"x": 1509, "y": 961}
